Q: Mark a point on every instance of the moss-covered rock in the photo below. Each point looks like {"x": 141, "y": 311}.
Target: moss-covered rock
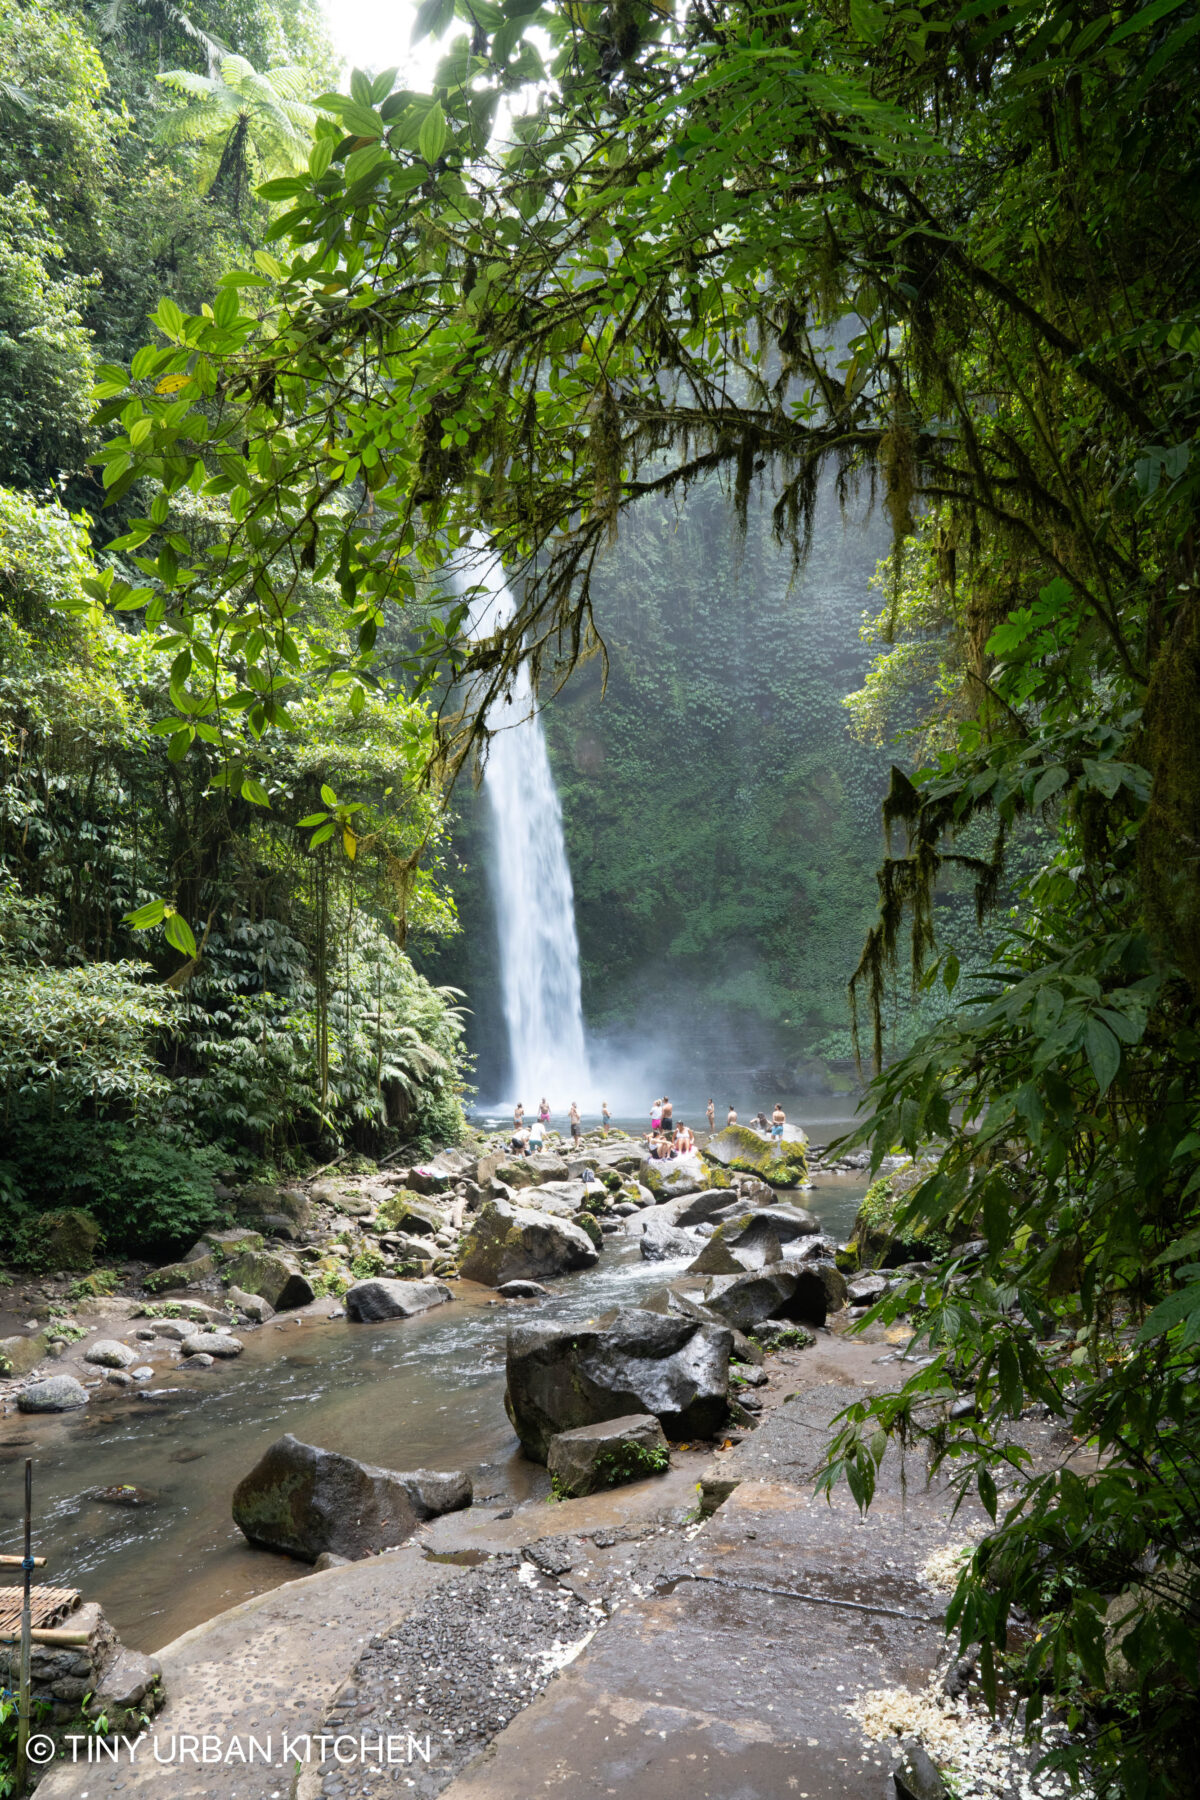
{"x": 20, "y": 1354}
{"x": 607, "y": 1455}
{"x": 508, "y": 1243}
{"x": 66, "y": 1239}
{"x": 780, "y": 1161}
{"x": 587, "y": 1223}
{"x": 879, "y": 1241}
{"x": 516, "y": 1175}
{"x": 181, "y": 1274}
{"x": 277, "y": 1279}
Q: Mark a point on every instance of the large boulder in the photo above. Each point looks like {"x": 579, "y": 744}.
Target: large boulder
{"x": 662, "y": 1240}
{"x": 415, "y": 1218}
{"x": 378, "y": 1298}
{"x": 546, "y": 1167}
{"x": 715, "y": 1203}
{"x": 807, "y": 1292}
{"x": 781, "y": 1162}
{"x": 189, "y": 1273}
{"x": 258, "y": 1200}
{"x": 606, "y": 1455}
{"x": 562, "y": 1199}
{"x": 58, "y": 1393}
{"x": 67, "y": 1238}
{"x": 306, "y": 1501}
{"x": 212, "y": 1343}
{"x": 509, "y": 1243}
{"x": 281, "y": 1282}
{"x": 110, "y": 1353}
{"x": 685, "y": 1175}
{"x": 717, "y": 1258}
{"x": 560, "y": 1378}
{"x": 18, "y": 1355}
{"x": 758, "y": 1238}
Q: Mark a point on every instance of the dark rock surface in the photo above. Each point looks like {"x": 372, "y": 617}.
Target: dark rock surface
{"x": 276, "y": 1279}
{"x": 509, "y": 1243}
{"x": 594, "y": 1457}
{"x": 378, "y": 1298}
{"x": 304, "y": 1500}
{"x": 643, "y": 1362}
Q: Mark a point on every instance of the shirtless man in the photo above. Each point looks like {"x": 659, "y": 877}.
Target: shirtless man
{"x": 575, "y": 1122}
{"x": 732, "y": 1119}
{"x": 778, "y": 1121}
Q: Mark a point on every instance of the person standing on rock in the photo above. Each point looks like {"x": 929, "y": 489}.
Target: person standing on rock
{"x": 543, "y": 1112}
{"x": 656, "y": 1115}
{"x": 710, "y": 1112}
{"x": 778, "y": 1121}
{"x": 667, "y": 1119}
{"x": 576, "y": 1126}
{"x": 732, "y": 1119}
{"x": 605, "y": 1117}
{"x": 536, "y": 1136}
{"x": 518, "y": 1116}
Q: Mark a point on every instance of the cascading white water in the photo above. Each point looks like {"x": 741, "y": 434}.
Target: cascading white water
{"x": 530, "y": 881}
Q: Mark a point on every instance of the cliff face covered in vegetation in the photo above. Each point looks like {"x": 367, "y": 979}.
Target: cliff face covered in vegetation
{"x": 721, "y": 818}
{"x": 188, "y": 981}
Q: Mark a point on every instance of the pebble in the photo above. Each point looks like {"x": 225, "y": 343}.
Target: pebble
{"x": 459, "y": 1669}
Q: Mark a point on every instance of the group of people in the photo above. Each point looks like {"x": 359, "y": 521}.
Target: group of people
{"x": 665, "y": 1138}
{"x": 760, "y": 1122}
{"x": 527, "y": 1140}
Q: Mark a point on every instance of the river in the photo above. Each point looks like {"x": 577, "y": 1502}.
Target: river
{"x": 425, "y": 1392}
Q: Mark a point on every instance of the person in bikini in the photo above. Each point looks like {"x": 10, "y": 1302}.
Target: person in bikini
{"x": 710, "y": 1112}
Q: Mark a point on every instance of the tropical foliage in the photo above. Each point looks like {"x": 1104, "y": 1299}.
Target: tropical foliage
{"x": 134, "y": 1063}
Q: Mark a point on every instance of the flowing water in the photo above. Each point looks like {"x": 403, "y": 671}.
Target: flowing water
{"x": 418, "y": 1392}
{"x": 530, "y": 881}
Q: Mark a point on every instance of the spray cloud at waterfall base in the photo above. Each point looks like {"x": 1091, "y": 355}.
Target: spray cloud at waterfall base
{"x": 532, "y": 895}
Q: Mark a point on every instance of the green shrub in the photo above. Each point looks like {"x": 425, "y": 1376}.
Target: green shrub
{"x": 94, "y": 1286}
{"x": 148, "y": 1194}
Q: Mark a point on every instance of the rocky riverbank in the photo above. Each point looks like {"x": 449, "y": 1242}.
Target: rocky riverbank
{"x": 623, "y": 1643}
{"x": 389, "y": 1242}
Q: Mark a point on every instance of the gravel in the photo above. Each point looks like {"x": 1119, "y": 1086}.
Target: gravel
{"x": 459, "y": 1669}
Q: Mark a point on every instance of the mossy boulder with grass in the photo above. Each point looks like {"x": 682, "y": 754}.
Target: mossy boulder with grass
{"x": 509, "y": 1243}
{"x": 68, "y": 1238}
{"x": 782, "y": 1162}
{"x": 591, "y": 1226}
{"x": 191, "y": 1273}
{"x": 276, "y": 1279}
{"x": 880, "y": 1241}
{"x": 607, "y": 1455}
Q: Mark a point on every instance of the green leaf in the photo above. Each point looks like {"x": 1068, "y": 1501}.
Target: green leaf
{"x": 169, "y": 317}
{"x": 255, "y": 791}
{"x": 1103, "y": 1052}
{"x": 146, "y": 916}
{"x": 431, "y": 139}
{"x": 179, "y": 934}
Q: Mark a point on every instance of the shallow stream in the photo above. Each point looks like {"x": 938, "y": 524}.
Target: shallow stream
{"x": 425, "y": 1392}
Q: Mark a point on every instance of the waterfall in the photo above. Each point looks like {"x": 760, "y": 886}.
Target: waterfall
{"x": 530, "y": 882}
